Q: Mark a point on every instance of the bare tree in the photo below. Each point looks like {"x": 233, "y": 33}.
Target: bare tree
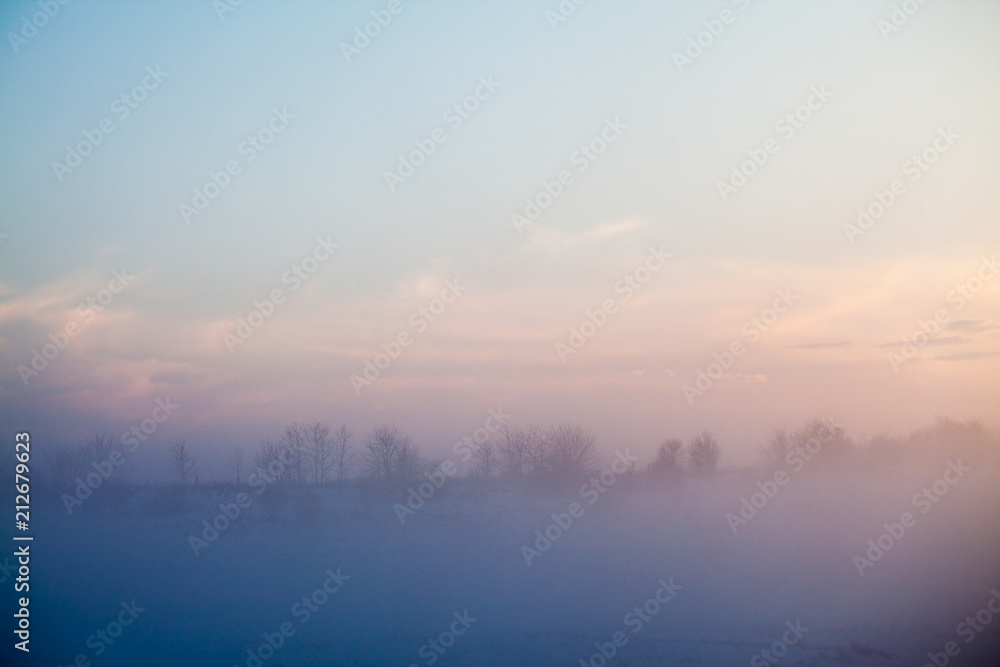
{"x": 571, "y": 449}
{"x": 66, "y": 461}
{"x": 271, "y": 462}
{"x": 63, "y": 462}
{"x": 485, "y": 457}
{"x": 537, "y": 448}
{"x": 320, "y": 449}
{"x": 818, "y": 435}
{"x": 513, "y": 449}
{"x": 102, "y": 445}
{"x": 382, "y": 449}
{"x": 236, "y": 461}
{"x": 389, "y": 455}
{"x": 343, "y": 453}
{"x": 668, "y": 458}
{"x": 408, "y": 464}
{"x": 294, "y": 441}
{"x": 182, "y": 465}
{"x": 704, "y": 452}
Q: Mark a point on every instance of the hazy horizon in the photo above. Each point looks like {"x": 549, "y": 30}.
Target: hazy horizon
{"x": 726, "y": 272}
{"x": 883, "y": 99}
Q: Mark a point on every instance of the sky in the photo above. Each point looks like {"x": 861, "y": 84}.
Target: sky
{"x": 309, "y": 115}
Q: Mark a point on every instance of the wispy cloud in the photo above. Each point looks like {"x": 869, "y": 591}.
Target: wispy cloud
{"x": 549, "y": 240}
{"x": 947, "y": 340}
{"x": 819, "y": 346}
{"x": 757, "y": 377}
{"x": 973, "y": 325}
{"x": 965, "y": 356}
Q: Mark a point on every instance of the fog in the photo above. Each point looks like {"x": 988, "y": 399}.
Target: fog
{"x": 829, "y": 551}
{"x": 494, "y": 333}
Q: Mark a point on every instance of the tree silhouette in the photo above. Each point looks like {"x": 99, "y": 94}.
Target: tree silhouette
{"x": 320, "y": 450}
{"x": 570, "y": 449}
{"x": 343, "y": 453}
{"x": 486, "y": 459}
{"x": 182, "y": 464}
{"x": 236, "y": 461}
{"x": 704, "y": 452}
{"x": 668, "y": 458}
{"x": 389, "y": 455}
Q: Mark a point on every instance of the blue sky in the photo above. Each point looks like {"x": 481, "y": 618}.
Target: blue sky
{"x": 656, "y": 185}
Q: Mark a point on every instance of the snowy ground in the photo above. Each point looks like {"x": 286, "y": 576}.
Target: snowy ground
{"x": 461, "y": 553}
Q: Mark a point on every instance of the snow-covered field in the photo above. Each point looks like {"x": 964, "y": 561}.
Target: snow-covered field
{"x": 659, "y": 566}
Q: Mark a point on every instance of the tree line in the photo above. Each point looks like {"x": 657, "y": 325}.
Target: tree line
{"x": 315, "y": 453}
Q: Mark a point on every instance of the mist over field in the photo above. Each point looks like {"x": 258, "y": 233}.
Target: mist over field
{"x": 828, "y": 552}
{"x": 535, "y": 333}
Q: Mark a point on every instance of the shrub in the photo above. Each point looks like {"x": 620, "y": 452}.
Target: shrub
{"x": 704, "y": 452}
{"x": 668, "y": 458}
